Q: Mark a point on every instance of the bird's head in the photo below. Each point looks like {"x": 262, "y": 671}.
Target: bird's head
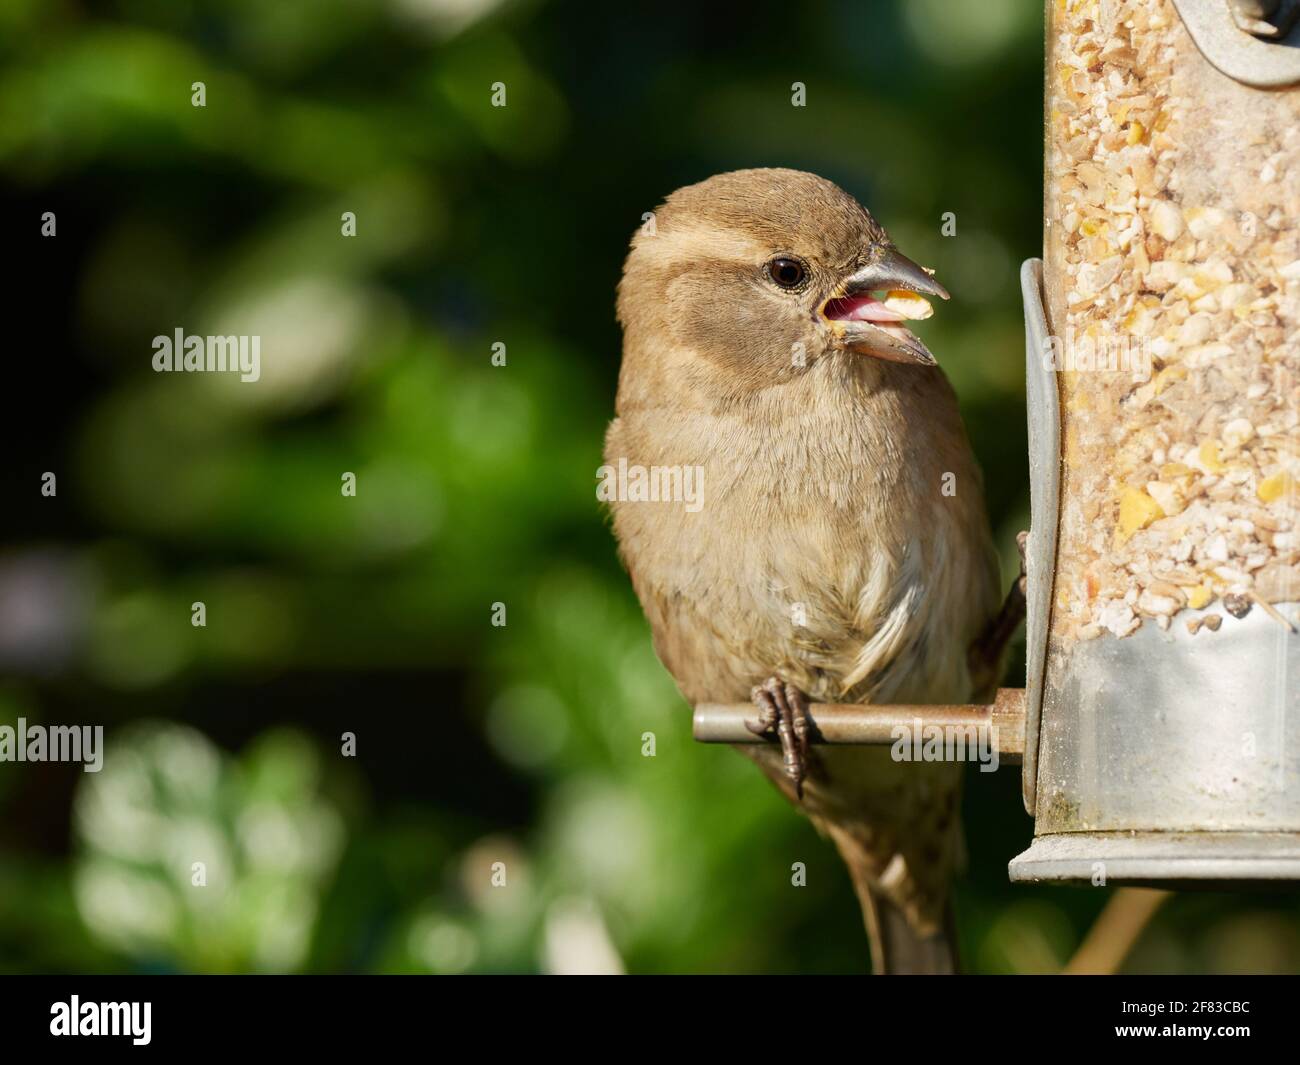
{"x": 765, "y": 271}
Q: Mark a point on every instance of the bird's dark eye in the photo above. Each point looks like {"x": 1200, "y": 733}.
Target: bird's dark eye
{"x": 788, "y": 273}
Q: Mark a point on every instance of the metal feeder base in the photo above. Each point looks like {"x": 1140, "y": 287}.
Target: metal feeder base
{"x": 1226, "y": 860}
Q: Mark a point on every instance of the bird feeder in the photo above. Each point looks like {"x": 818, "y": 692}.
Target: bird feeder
{"x": 1163, "y": 692}
{"x": 1159, "y": 728}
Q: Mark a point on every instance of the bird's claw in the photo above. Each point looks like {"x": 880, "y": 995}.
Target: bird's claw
{"x": 1022, "y": 541}
{"x": 783, "y": 712}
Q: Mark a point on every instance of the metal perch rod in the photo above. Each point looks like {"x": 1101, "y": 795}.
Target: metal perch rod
{"x": 854, "y": 723}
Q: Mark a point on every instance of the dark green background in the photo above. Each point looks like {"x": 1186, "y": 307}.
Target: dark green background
{"x": 326, "y": 614}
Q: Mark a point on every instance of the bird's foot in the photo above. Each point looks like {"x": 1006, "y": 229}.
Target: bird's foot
{"x": 985, "y": 655}
{"x": 1022, "y": 540}
{"x": 783, "y": 713}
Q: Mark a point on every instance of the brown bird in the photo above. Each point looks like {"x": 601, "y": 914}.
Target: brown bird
{"x": 765, "y": 365}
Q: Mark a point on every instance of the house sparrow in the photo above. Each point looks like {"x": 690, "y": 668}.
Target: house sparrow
{"x": 826, "y": 562}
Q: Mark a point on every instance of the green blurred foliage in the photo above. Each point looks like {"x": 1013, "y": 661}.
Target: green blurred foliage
{"x": 191, "y": 863}
{"x": 499, "y": 813}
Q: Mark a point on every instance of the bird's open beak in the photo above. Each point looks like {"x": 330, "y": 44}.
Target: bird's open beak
{"x": 866, "y": 310}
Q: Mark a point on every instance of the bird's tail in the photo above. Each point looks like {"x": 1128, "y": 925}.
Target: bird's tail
{"x": 897, "y": 947}
{"x": 901, "y": 942}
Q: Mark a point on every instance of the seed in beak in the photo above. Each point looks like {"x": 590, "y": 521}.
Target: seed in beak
{"x": 908, "y": 304}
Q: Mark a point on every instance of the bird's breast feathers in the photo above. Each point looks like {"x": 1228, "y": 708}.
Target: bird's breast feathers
{"x": 839, "y": 538}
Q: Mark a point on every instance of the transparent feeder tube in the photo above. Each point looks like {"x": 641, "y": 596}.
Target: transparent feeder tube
{"x": 1172, "y": 289}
